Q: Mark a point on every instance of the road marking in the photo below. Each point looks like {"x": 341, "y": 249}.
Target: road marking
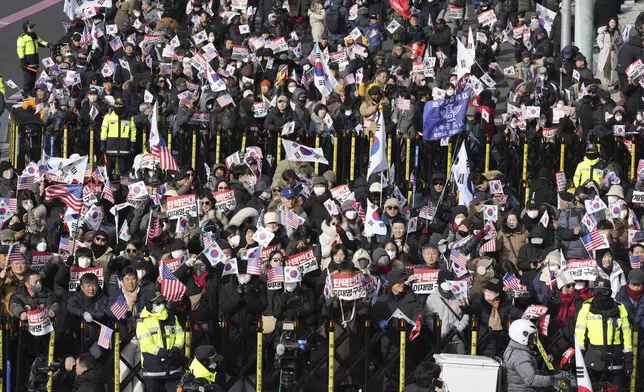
{"x": 6, "y": 21}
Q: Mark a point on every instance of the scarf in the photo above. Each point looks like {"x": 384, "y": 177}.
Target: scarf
{"x": 585, "y": 293}
{"x": 635, "y": 295}
{"x": 201, "y": 280}
{"x": 494, "y": 323}
{"x": 567, "y": 309}
{"x": 130, "y": 298}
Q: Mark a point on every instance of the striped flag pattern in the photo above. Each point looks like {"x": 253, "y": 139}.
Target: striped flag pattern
{"x": 68, "y": 246}
{"x": 105, "y": 336}
{"x": 108, "y": 194}
{"x": 97, "y": 176}
{"x": 640, "y": 167}
{"x": 155, "y": 228}
{"x": 86, "y": 37}
{"x": 12, "y": 202}
{"x": 25, "y": 182}
{"x": 253, "y": 267}
{"x": 119, "y": 308}
{"x": 171, "y": 287}
{"x": 293, "y": 220}
{"x": 14, "y": 253}
{"x": 360, "y": 210}
{"x": 224, "y": 100}
{"x": 163, "y": 154}
{"x": 412, "y": 180}
{"x": 511, "y": 282}
{"x": 71, "y": 195}
{"x": 207, "y": 239}
{"x": 275, "y": 275}
{"x": 458, "y": 258}
{"x": 489, "y": 246}
{"x": 594, "y": 240}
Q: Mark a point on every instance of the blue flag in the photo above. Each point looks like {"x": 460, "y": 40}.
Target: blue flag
{"x": 445, "y": 117}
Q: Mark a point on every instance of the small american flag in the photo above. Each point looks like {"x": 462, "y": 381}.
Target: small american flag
{"x": 412, "y": 180}
{"x": 14, "y": 253}
{"x": 86, "y": 37}
{"x": 489, "y": 246}
{"x": 594, "y": 240}
{"x": 224, "y": 100}
{"x": 253, "y": 267}
{"x": 116, "y": 44}
{"x": 458, "y": 258}
{"x": 511, "y": 282}
{"x": 360, "y": 210}
{"x": 207, "y": 239}
{"x": 155, "y": 228}
{"x": 163, "y": 154}
{"x": 71, "y": 195}
{"x": 636, "y": 262}
{"x": 171, "y": 288}
{"x": 276, "y": 275}
{"x": 640, "y": 167}
{"x": 25, "y": 182}
{"x": 119, "y": 308}
{"x": 107, "y": 191}
{"x": 97, "y": 176}
{"x": 293, "y": 220}
{"x": 105, "y": 336}
{"x": 68, "y": 246}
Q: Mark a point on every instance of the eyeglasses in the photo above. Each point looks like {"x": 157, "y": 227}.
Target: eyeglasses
{"x": 100, "y": 239}
{"x": 439, "y": 183}
{"x": 392, "y": 208}
{"x": 277, "y": 190}
{"x": 222, "y": 188}
{"x": 277, "y": 260}
{"x": 130, "y": 250}
{"x": 570, "y": 286}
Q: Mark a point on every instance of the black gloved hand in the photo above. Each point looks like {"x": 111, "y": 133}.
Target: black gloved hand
{"x": 628, "y": 363}
{"x": 175, "y": 352}
{"x": 132, "y": 148}
{"x": 103, "y": 147}
{"x": 23, "y": 63}
{"x": 163, "y": 353}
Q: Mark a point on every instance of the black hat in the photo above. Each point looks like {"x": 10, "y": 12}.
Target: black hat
{"x": 602, "y": 284}
{"x": 566, "y": 196}
{"x": 479, "y": 197}
{"x": 373, "y": 16}
{"x": 76, "y": 37}
{"x": 375, "y": 90}
{"x": 396, "y": 276}
{"x": 203, "y": 353}
{"x": 119, "y": 102}
{"x": 158, "y": 298}
{"x": 494, "y": 284}
{"x": 636, "y": 276}
{"x": 180, "y": 175}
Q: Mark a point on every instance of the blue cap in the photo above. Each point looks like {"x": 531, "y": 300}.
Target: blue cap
{"x": 288, "y": 193}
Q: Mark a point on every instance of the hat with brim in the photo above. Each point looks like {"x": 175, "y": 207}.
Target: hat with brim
{"x": 158, "y": 298}
{"x": 203, "y": 353}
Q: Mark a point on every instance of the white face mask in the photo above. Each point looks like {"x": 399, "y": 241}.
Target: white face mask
{"x": 319, "y": 190}
{"x": 243, "y": 278}
{"x": 84, "y": 262}
{"x": 140, "y": 274}
{"x": 211, "y": 38}
{"x": 351, "y": 214}
{"x": 291, "y": 89}
{"x": 618, "y": 117}
{"x": 158, "y": 308}
{"x": 442, "y": 248}
{"x": 176, "y": 253}
{"x": 536, "y": 241}
{"x": 612, "y": 199}
{"x": 347, "y": 112}
{"x": 639, "y": 117}
{"x": 532, "y": 214}
{"x": 41, "y": 247}
{"x": 458, "y": 221}
{"x": 136, "y": 13}
{"x": 8, "y": 174}
{"x": 234, "y": 241}
{"x": 290, "y": 287}
{"x": 449, "y": 93}
{"x": 28, "y": 205}
{"x": 391, "y": 254}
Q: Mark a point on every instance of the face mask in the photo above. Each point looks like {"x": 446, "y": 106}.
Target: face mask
{"x": 348, "y": 112}
{"x": 290, "y": 287}
{"x": 41, "y": 247}
{"x": 158, "y": 308}
{"x": 37, "y": 288}
{"x": 27, "y": 205}
{"x": 513, "y": 125}
{"x": 84, "y": 262}
{"x": 442, "y": 248}
{"x": 199, "y": 269}
{"x": 291, "y": 89}
{"x": 176, "y": 253}
{"x": 351, "y": 214}
{"x": 449, "y": 93}
{"x": 612, "y": 199}
{"x": 140, "y": 274}
{"x": 119, "y": 110}
{"x": 536, "y": 241}
{"x": 391, "y": 254}
{"x": 234, "y": 241}
{"x": 489, "y": 295}
{"x": 463, "y": 233}
{"x": 243, "y": 278}
{"x": 211, "y": 38}
{"x": 319, "y": 190}
{"x": 458, "y": 221}
{"x": 542, "y": 121}
{"x": 273, "y": 229}
{"x": 92, "y": 98}
{"x": 383, "y": 261}
{"x": 532, "y": 214}
{"x": 8, "y": 174}
{"x": 592, "y": 155}
{"x": 618, "y": 117}
{"x": 136, "y": 13}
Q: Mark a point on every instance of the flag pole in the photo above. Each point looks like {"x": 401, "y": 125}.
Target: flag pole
{"x": 147, "y": 231}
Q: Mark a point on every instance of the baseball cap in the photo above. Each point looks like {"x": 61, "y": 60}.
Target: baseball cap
{"x": 288, "y": 193}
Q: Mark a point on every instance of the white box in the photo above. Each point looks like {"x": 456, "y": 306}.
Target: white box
{"x": 466, "y": 373}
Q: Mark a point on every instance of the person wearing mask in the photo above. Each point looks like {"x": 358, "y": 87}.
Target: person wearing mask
{"x": 32, "y": 295}
{"x": 630, "y": 295}
{"x": 204, "y": 365}
{"x": 401, "y": 297}
{"x": 369, "y": 108}
{"x": 520, "y": 360}
{"x": 569, "y": 226}
{"x": 610, "y": 270}
{"x": 102, "y": 251}
{"x": 284, "y": 203}
{"x": 314, "y": 205}
{"x": 604, "y": 335}
{"x": 511, "y": 238}
{"x": 564, "y": 302}
{"x": 161, "y": 339}
{"x": 27, "y": 46}
{"x": 444, "y": 302}
{"x": 533, "y": 253}
{"x": 118, "y": 138}
{"x": 296, "y": 303}
{"x": 330, "y": 237}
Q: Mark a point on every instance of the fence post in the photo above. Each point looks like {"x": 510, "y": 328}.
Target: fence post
{"x": 170, "y": 141}
{"x": 260, "y": 354}
{"x": 65, "y": 134}
{"x": 7, "y": 363}
{"x": 91, "y": 150}
{"x": 317, "y": 145}
{"x": 117, "y": 358}
{"x": 331, "y": 359}
{"x": 335, "y": 155}
{"x": 194, "y": 149}
{"x": 225, "y": 334}
{"x": 188, "y": 338}
{"x": 487, "y": 154}
{"x": 524, "y": 174}
{"x": 21, "y": 326}
{"x": 367, "y": 330}
{"x": 475, "y": 335}
{"x": 449, "y": 157}
{"x": 218, "y": 147}
{"x": 10, "y": 132}
{"x": 50, "y": 358}
{"x": 352, "y": 163}
{"x": 633, "y": 160}
{"x": 243, "y": 145}
{"x": 403, "y": 346}
{"x": 144, "y": 141}
{"x": 408, "y": 167}
{"x": 636, "y": 341}
{"x": 16, "y": 149}
{"x": 562, "y": 154}
{"x": 438, "y": 325}
{"x": 2, "y": 320}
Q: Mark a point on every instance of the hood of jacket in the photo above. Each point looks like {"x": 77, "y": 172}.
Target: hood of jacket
{"x": 635, "y": 40}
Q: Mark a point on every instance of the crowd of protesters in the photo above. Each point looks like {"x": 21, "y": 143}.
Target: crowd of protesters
{"x": 569, "y": 257}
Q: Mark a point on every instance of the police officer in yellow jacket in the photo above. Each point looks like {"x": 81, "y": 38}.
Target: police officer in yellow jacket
{"x": 204, "y": 365}
{"x": 118, "y": 137}
{"x": 27, "y": 46}
{"x": 161, "y": 339}
{"x": 586, "y": 169}
{"x": 604, "y": 335}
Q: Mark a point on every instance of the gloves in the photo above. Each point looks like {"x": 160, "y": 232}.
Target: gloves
{"x": 103, "y": 147}
{"x": 628, "y": 363}
{"x": 132, "y": 148}
{"x": 481, "y": 234}
{"x": 163, "y": 353}
{"x": 175, "y": 352}
{"x": 560, "y": 381}
{"x": 88, "y": 317}
{"x": 383, "y": 324}
{"x": 190, "y": 262}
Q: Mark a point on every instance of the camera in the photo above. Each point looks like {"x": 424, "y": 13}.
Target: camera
{"x": 290, "y": 355}
{"x": 39, "y": 374}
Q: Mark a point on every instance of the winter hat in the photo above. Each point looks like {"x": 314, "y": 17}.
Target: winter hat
{"x": 7, "y": 235}
{"x": 392, "y": 202}
{"x": 270, "y": 217}
{"x": 434, "y": 239}
{"x": 347, "y": 205}
{"x": 247, "y": 93}
{"x": 4, "y": 165}
{"x": 494, "y": 284}
{"x": 616, "y": 190}
{"x": 467, "y": 223}
{"x": 330, "y": 176}
{"x": 375, "y": 187}
{"x": 563, "y": 279}
{"x": 459, "y": 210}
{"x": 396, "y": 276}
{"x": 319, "y": 181}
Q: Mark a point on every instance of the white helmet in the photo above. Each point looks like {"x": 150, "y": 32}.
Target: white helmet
{"x": 520, "y": 331}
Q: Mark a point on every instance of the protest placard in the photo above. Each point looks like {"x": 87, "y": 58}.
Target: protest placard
{"x": 348, "y": 287}
{"x": 39, "y": 322}
{"x": 178, "y": 206}
{"x": 75, "y": 274}
{"x": 306, "y": 261}
{"x": 426, "y": 280}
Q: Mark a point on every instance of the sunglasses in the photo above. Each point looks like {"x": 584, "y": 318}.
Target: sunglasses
{"x": 222, "y": 188}
{"x": 100, "y": 239}
{"x": 278, "y": 260}
{"x": 439, "y": 183}
{"x": 392, "y": 208}
{"x": 570, "y": 286}
{"x": 130, "y": 250}
{"x": 206, "y": 203}
{"x": 277, "y": 190}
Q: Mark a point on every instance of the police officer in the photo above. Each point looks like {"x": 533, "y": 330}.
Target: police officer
{"x": 604, "y": 335}
{"x": 118, "y": 137}
{"x": 161, "y": 339}
{"x": 28, "y": 44}
{"x": 204, "y": 365}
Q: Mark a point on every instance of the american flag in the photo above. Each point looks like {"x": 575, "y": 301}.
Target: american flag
{"x": 171, "y": 288}
{"x": 116, "y": 44}
{"x": 71, "y": 195}
{"x": 489, "y": 246}
{"x": 86, "y": 37}
{"x": 293, "y": 220}
{"x": 68, "y": 246}
{"x": 107, "y": 191}
{"x": 224, "y": 100}
{"x": 640, "y": 166}
{"x": 14, "y": 253}
{"x": 594, "y": 240}
{"x": 105, "y": 336}
{"x": 97, "y": 176}
{"x": 360, "y": 210}
{"x": 253, "y": 267}
{"x": 511, "y": 282}
{"x": 119, "y": 307}
{"x": 636, "y": 262}
{"x": 155, "y": 228}
{"x": 276, "y": 275}
{"x": 412, "y": 180}
{"x": 207, "y": 239}
{"x": 458, "y": 258}
{"x": 163, "y": 154}
{"x": 25, "y": 182}
{"x": 12, "y": 202}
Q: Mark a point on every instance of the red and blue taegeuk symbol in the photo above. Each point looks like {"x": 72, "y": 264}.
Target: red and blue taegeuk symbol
{"x": 294, "y": 274}
{"x": 375, "y": 146}
{"x": 305, "y": 151}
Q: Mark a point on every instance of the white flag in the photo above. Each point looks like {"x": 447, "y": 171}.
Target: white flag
{"x": 471, "y": 44}
{"x": 373, "y": 224}
{"x": 378, "y": 155}
{"x": 545, "y": 219}
{"x": 154, "y": 129}
{"x": 461, "y": 174}
{"x": 302, "y": 153}
{"x": 124, "y": 233}
{"x": 464, "y": 61}
{"x": 583, "y": 378}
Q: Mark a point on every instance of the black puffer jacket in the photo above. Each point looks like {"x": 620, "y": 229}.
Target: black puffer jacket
{"x": 629, "y": 53}
{"x": 242, "y": 305}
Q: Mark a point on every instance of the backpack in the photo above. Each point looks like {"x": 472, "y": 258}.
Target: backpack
{"x": 335, "y": 20}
